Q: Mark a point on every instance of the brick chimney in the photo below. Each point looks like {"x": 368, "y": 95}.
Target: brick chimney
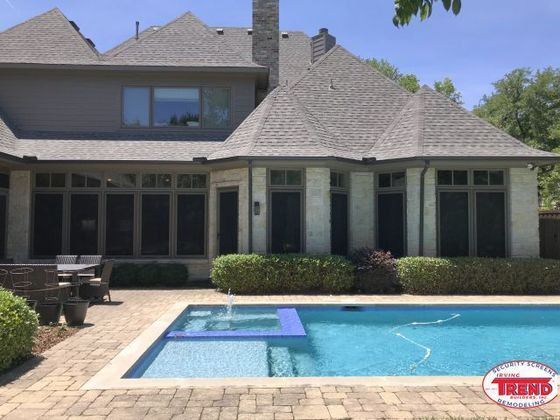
{"x": 266, "y": 38}
{"x": 321, "y": 44}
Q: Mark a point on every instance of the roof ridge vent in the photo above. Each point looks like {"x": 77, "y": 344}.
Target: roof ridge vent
{"x": 90, "y": 42}
{"x": 249, "y": 31}
{"x": 220, "y": 31}
{"x": 285, "y": 35}
{"x": 74, "y": 25}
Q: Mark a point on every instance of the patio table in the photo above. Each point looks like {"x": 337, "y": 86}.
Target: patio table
{"x": 74, "y": 269}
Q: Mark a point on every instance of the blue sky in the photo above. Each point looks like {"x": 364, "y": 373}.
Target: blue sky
{"x": 488, "y": 39}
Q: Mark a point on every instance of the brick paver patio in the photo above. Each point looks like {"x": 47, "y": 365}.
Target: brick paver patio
{"x": 51, "y": 387}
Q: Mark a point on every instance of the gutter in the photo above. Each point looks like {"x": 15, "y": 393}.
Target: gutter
{"x": 250, "y": 207}
{"x": 421, "y": 218}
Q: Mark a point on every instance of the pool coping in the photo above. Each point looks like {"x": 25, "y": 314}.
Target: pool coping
{"x": 111, "y": 375}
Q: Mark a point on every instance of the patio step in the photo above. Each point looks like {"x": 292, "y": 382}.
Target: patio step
{"x": 280, "y": 362}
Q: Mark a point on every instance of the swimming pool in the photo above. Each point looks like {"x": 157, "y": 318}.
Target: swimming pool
{"x": 329, "y": 340}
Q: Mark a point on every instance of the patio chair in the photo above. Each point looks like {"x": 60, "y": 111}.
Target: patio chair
{"x": 22, "y": 285}
{"x": 66, "y": 259}
{"x": 96, "y": 289}
{"x": 88, "y": 259}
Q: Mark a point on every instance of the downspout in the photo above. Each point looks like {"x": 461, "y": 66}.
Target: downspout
{"x": 250, "y": 210}
{"x": 421, "y": 221}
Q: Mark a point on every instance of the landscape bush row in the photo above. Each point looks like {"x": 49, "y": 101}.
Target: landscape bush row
{"x": 370, "y": 271}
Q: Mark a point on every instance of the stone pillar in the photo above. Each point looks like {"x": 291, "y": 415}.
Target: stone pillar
{"x": 362, "y": 210}
{"x": 260, "y": 221}
{"x": 19, "y": 216}
{"x": 317, "y": 211}
{"x": 413, "y": 176}
{"x": 524, "y": 213}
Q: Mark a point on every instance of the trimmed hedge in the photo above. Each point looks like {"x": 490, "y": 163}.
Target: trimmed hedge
{"x": 149, "y": 275}
{"x": 479, "y": 276}
{"x": 18, "y": 325}
{"x": 282, "y": 273}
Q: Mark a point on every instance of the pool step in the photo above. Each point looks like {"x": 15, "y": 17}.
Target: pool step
{"x": 280, "y": 362}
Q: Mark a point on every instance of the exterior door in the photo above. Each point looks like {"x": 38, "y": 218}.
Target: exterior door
{"x": 285, "y": 222}
{"x": 390, "y": 223}
{"x": 228, "y": 222}
{"x": 339, "y": 224}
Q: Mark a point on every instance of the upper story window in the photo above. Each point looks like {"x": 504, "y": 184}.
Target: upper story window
{"x": 391, "y": 180}
{"x": 156, "y": 180}
{"x": 192, "y": 107}
{"x": 338, "y": 180}
{"x": 86, "y": 180}
{"x": 452, "y": 177}
{"x": 121, "y": 180}
{"x": 493, "y": 177}
{"x": 488, "y": 177}
{"x": 191, "y": 181}
{"x": 4, "y": 181}
{"x": 48, "y": 180}
{"x": 284, "y": 177}
{"x": 176, "y": 107}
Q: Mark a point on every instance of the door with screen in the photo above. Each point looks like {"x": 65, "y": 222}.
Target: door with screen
{"x": 390, "y": 223}
{"x": 454, "y": 224}
{"x": 285, "y": 222}
{"x": 229, "y": 222}
{"x": 339, "y": 224}
{"x": 490, "y": 224}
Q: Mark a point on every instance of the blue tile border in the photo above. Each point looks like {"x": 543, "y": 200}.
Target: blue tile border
{"x": 290, "y": 326}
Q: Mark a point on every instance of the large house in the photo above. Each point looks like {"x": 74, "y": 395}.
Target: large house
{"x": 186, "y": 142}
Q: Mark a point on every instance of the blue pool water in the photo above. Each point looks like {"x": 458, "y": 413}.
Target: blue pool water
{"x": 355, "y": 341}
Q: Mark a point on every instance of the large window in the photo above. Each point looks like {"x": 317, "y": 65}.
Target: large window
{"x": 390, "y": 214}
{"x": 47, "y": 227}
{"x": 191, "y": 224}
{"x": 84, "y": 224}
{"x": 119, "y": 214}
{"x": 286, "y": 216}
{"x": 155, "y": 224}
{"x": 119, "y": 224}
{"x": 192, "y": 107}
{"x": 472, "y": 213}
{"x": 339, "y": 214}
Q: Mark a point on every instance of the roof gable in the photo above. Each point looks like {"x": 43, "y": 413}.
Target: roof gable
{"x": 186, "y": 41}
{"x": 46, "y": 39}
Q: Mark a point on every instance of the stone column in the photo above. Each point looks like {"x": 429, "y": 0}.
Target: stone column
{"x": 524, "y": 213}
{"x": 413, "y": 176}
{"x": 259, "y": 221}
{"x": 19, "y": 216}
{"x": 317, "y": 211}
{"x": 362, "y": 210}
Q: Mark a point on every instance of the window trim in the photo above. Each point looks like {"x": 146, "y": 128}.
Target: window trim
{"x": 201, "y": 126}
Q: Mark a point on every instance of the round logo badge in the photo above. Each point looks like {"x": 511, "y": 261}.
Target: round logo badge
{"x": 521, "y": 384}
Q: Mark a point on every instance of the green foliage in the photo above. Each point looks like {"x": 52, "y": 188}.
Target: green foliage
{"x": 406, "y": 9}
{"x": 282, "y": 273}
{"x": 18, "y": 325}
{"x": 375, "y": 271}
{"x": 149, "y": 275}
{"x": 447, "y": 89}
{"x": 478, "y": 276}
{"x": 526, "y": 104}
{"x": 407, "y": 81}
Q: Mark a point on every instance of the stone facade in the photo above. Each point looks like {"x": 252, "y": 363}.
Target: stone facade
{"x": 19, "y": 216}
{"x": 260, "y": 221}
{"x": 524, "y": 214}
{"x": 413, "y": 177}
{"x": 317, "y": 211}
{"x": 362, "y": 210}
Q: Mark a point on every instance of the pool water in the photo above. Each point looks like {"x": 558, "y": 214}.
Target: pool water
{"x": 382, "y": 340}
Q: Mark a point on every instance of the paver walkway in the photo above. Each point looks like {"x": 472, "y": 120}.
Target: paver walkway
{"x": 51, "y": 388}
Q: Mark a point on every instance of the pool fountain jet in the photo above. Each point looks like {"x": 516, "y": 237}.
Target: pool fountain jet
{"x": 230, "y": 301}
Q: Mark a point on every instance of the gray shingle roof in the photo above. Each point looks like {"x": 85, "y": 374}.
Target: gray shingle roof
{"x": 295, "y": 50}
{"x": 185, "y": 42}
{"x": 46, "y": 39}
{"x": 7, "y": 136}
{"x": 430, "y": 125}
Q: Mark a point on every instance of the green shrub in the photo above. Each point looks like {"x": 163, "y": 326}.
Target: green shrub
{"x": 282, "y": 273}
{"x": 483, "y": 276}
{"x": 18, "y": 325}
{"x": 149, "y": 275}
{"x": 375, "y": 271}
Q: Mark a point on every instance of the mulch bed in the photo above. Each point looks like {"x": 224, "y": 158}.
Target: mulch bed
{"x": 49, "y": 336}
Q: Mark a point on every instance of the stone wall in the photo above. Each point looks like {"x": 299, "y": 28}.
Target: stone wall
{"x": 413, "y": 176}
{"x": 524, "y": 213}
{"x": 362, "y": 211}
{"x": 317, "y": 211}
{"x": 260, "y": 221}
{"x": 19, "y": 216}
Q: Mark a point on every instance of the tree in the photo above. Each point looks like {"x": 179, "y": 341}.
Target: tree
{"x": 407, "y": 81}
{"x": 406, "y": 9}
{"x": 447, "y": 89}
{"x": 526, "y": 104}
